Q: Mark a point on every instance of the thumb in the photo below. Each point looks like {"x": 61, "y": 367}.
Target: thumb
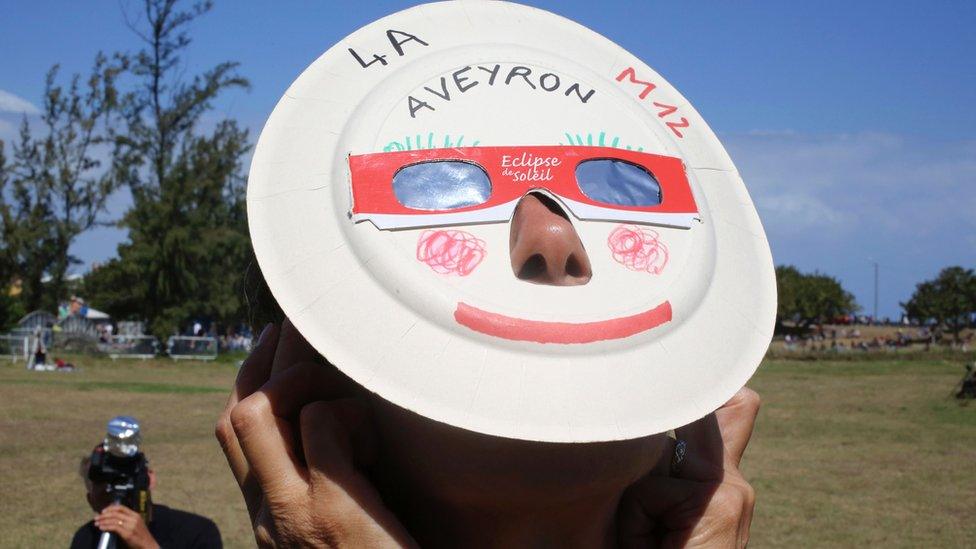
{"x": 326, "y": 430}
{"x": 736, "y": 419}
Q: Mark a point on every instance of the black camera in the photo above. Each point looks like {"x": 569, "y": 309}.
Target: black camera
{"x": 119, "y": 466}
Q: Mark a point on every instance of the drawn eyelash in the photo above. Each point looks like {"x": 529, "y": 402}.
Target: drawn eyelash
{"x": 433, "y": 141}
{"x": 417, "y": 142}
{"x": 600, "y": 141}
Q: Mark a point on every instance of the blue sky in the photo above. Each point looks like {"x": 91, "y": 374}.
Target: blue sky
{"x": 853, "y": 124}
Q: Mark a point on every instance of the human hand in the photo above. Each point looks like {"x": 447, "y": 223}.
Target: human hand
{"x": 291, "y": 432}
{"x": 127, "y": 524}
{"x": 707, "y": 503}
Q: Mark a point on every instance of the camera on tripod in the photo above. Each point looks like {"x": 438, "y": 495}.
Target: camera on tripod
{"x": 119, "y": 466}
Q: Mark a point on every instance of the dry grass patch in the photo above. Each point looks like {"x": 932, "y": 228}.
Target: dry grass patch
{"x": 49, "y": 420}
{"x": 856, "y": 454}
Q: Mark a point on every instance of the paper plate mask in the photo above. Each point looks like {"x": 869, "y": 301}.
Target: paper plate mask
{"x": 380, "y": 198}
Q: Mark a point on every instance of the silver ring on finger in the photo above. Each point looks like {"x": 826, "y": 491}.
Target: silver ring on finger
{"x": 678, "y": 458}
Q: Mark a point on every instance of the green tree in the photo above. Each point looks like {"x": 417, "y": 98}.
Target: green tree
{"x": 57, "y": 185}
{"x": 810, "y": 298}
{"x": 188, "y": 244}
{"x": 10, "y": 308}
{"x": 27, "y": 238}
{"x": 949, "y": 300}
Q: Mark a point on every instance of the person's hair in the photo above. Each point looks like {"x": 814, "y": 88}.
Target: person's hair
{"x": 83, "y": 466}
{"x": 261, "y": 305}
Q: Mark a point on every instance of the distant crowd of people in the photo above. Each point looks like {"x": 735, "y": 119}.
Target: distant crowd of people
{"x": 235, "y": 342}
{"x": 76, "y": 306}
{"x": 870, "y": 320}
{"x": 850, "y": 339}
{"x": 105, "y": 332}
{"x": 233, "y": 339}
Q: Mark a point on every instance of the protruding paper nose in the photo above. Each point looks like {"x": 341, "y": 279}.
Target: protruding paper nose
{"x": 544, "y": 246}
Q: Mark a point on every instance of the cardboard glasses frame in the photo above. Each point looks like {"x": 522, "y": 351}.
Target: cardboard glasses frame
{"x": 512, "y": 173}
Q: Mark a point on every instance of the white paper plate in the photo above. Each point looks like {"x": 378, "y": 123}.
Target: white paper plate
{"x": 397, "y": 325}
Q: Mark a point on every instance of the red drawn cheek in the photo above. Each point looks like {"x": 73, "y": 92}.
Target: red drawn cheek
{"x": 638, "y": 248}
{"x": 450, "y": 251}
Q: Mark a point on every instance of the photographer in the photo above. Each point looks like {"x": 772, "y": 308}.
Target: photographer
{"x": 117, "y": 514}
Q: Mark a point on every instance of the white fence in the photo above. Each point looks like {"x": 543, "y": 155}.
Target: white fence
{"x": 130, "y": 346}
{"x": 192, "y": 348}
{"x": 15, "y": 347}
{"x": 130, "y": 327}
{"x": 47, "y": 336}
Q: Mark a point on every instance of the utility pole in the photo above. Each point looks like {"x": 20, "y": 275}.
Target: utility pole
{"x": 875, "y": 292}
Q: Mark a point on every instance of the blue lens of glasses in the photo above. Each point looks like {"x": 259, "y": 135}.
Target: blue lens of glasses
{"x": 618, "y": 182}
{"x": 441, "y": 185}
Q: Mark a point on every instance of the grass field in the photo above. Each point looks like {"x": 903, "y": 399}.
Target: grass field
{"x": 849, "y": 454}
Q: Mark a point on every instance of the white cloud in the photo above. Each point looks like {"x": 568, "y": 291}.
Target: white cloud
{"x": 12, "y": 103}
{"x": 801, "y": 211}
{"x": 856, "y": 182}
{"x": 830, "y": 202}
{"x": 7, "y": 130}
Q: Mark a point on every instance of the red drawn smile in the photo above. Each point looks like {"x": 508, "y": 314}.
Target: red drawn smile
{"x": 520, "y": 329}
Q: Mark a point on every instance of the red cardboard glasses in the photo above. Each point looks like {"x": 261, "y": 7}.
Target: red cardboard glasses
{"x": 437, "y": 187}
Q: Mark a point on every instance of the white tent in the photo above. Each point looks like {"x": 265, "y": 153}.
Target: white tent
{"x": 95, "y": 314}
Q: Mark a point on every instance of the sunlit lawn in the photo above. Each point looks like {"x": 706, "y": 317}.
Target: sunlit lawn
{"x": 845, "y": 453}
{"x": 863, "y": 454}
